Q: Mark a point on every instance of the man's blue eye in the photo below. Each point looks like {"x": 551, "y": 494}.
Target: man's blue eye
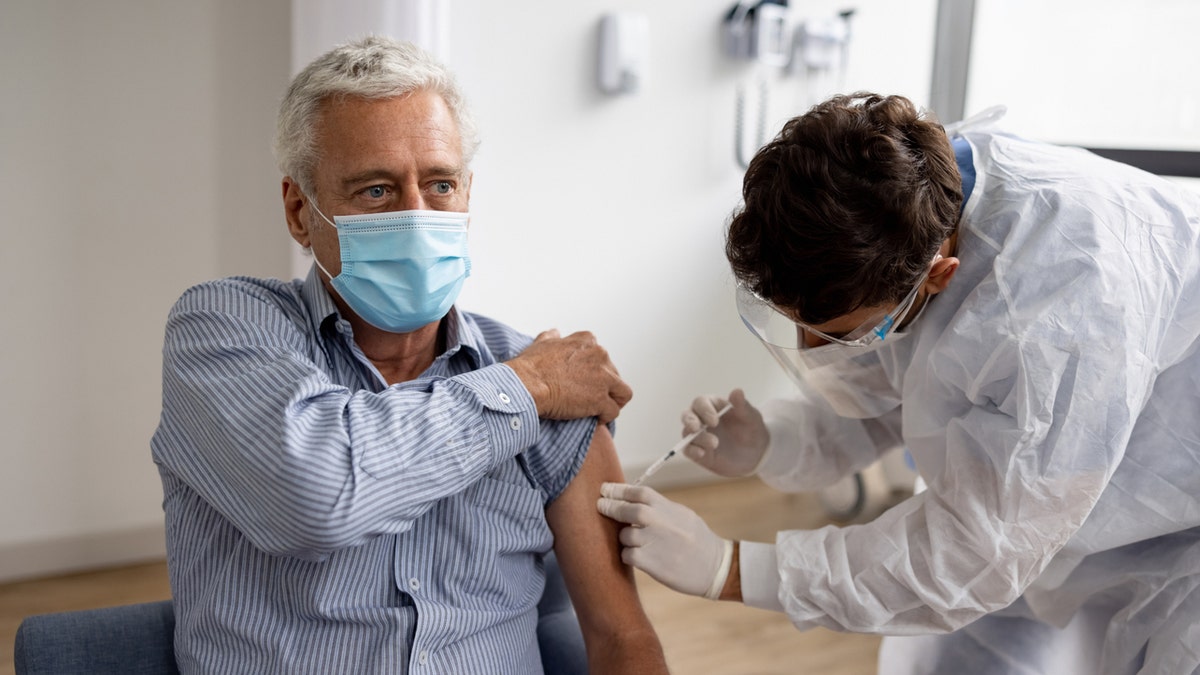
{"x": 376, "y": 191}
{"x": 443, "y": 187}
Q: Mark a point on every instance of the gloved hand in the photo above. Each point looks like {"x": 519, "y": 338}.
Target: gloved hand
{"x": 735, "y": 443}
{"x": 666, "y": 540}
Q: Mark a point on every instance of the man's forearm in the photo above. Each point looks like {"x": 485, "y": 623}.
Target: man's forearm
{"x": 281, "y": 450}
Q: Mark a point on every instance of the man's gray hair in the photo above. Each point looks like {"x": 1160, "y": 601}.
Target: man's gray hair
{"x": 374, "y": 67}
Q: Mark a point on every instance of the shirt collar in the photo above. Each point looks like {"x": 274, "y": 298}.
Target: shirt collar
{"x": 462, "y": 335}
{"x": 460, "y": 332}
{"x": 320, "y": 306}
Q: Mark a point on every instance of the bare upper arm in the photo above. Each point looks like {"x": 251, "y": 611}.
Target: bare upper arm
{"x": 601, "y": 586}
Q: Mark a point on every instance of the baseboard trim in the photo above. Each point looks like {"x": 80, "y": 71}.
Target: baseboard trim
{"x": 78, "y": 553}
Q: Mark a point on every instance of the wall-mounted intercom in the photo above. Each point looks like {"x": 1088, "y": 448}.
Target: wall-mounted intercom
{"x": 624, "y": 52}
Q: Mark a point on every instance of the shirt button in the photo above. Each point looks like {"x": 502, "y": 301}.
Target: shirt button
{"x": 504, "y": 398}
{"x": 414, "y": 584}
{"x": 423, "y": 657}
{"x": 515, "y": 423}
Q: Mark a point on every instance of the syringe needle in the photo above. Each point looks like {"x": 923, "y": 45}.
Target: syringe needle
{"x": 683, "y": 443}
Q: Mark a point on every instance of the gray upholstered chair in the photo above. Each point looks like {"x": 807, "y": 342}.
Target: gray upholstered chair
{"x": 139, "y": 639}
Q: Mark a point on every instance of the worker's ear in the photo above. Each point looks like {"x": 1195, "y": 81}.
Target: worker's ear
{"x": 294, "y": 203}
{"x": 940, "y": 273}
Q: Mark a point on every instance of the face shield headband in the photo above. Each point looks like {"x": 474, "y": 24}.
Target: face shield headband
{"x": 784, "y": 337}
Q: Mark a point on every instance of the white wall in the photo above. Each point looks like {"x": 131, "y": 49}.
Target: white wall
{"x": 608, "y": 213}
{"x": 135, "y": 161}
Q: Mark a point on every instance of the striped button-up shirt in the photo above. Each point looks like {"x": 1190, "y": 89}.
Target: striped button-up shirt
{"x": 321, "y": 521}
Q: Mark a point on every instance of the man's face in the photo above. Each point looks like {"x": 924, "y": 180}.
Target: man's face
{"x": 393, "y": 154}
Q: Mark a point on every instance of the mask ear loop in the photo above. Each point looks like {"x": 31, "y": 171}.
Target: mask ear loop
{"x": 313, "y": 203}
{"x": 904, "y": 323}
{"x": 320, "y": 266}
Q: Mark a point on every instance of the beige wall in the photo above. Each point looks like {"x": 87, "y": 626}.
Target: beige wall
{"x": 134, "y": 162}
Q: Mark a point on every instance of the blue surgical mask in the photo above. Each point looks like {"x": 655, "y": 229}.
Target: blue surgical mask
{"x": 401, "y": 270}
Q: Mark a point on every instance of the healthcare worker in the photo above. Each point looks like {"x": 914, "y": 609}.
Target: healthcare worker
{"x": 1023, "y": 318}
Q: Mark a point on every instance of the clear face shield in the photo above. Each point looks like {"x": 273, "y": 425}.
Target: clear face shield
{"x": 843, "y": 368}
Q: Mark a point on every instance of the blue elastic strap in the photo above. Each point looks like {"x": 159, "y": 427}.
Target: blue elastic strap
{"x": 966, "y": 167}
{"x": 882, "y": 329}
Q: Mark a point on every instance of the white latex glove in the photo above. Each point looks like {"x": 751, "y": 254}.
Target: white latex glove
{"x": 666, "y": 540}
{"x": 735, "y": 443}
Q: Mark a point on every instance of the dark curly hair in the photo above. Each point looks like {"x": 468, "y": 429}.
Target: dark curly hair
{"x": 845, "y": 207}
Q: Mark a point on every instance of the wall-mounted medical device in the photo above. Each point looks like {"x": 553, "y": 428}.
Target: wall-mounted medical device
{"x": 624, "y": 52}
{"x": 768, "y": 32}
{"x": 767, "y": 35}
{"x": 758, "y": 30}
{"x": 820, "y": 43}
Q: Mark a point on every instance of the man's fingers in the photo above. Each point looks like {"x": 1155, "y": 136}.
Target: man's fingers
{"x": 638, "y": 494}
{"x": 621, "y": 393}
{"x": 609, "y": 413}
{"x": 633, "y": 536}
{"x": 636, "y": 556}
{"x": 705, "y": 408}
{"x": 571, "y": 377}
{"x": 628, "y": 557}
{"x": 623, "y": 511}
{"x": 702, "y": 406}
{"x": 710, "y": 417}
{"x": 701, "y": 446}
{"x": 691, "y": 423}
{"x": 622, "y": 491}
{"x": 706, "y": 441}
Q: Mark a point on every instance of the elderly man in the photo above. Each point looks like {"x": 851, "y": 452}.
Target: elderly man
{"x": 358, "y": 477}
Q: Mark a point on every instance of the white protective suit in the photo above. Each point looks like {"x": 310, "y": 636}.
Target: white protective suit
{"x": 1052, "y": 405}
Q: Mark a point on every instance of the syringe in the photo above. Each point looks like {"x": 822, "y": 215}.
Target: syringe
{"x": 683, "y": 443}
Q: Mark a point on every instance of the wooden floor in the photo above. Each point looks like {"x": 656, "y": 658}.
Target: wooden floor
{"x": 722, "y": 638}
{"x": 699, "y": 636}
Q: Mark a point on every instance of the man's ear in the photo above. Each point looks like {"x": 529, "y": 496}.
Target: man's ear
{"x": 295, "y": 211}
{"x": 940, "y": 274}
